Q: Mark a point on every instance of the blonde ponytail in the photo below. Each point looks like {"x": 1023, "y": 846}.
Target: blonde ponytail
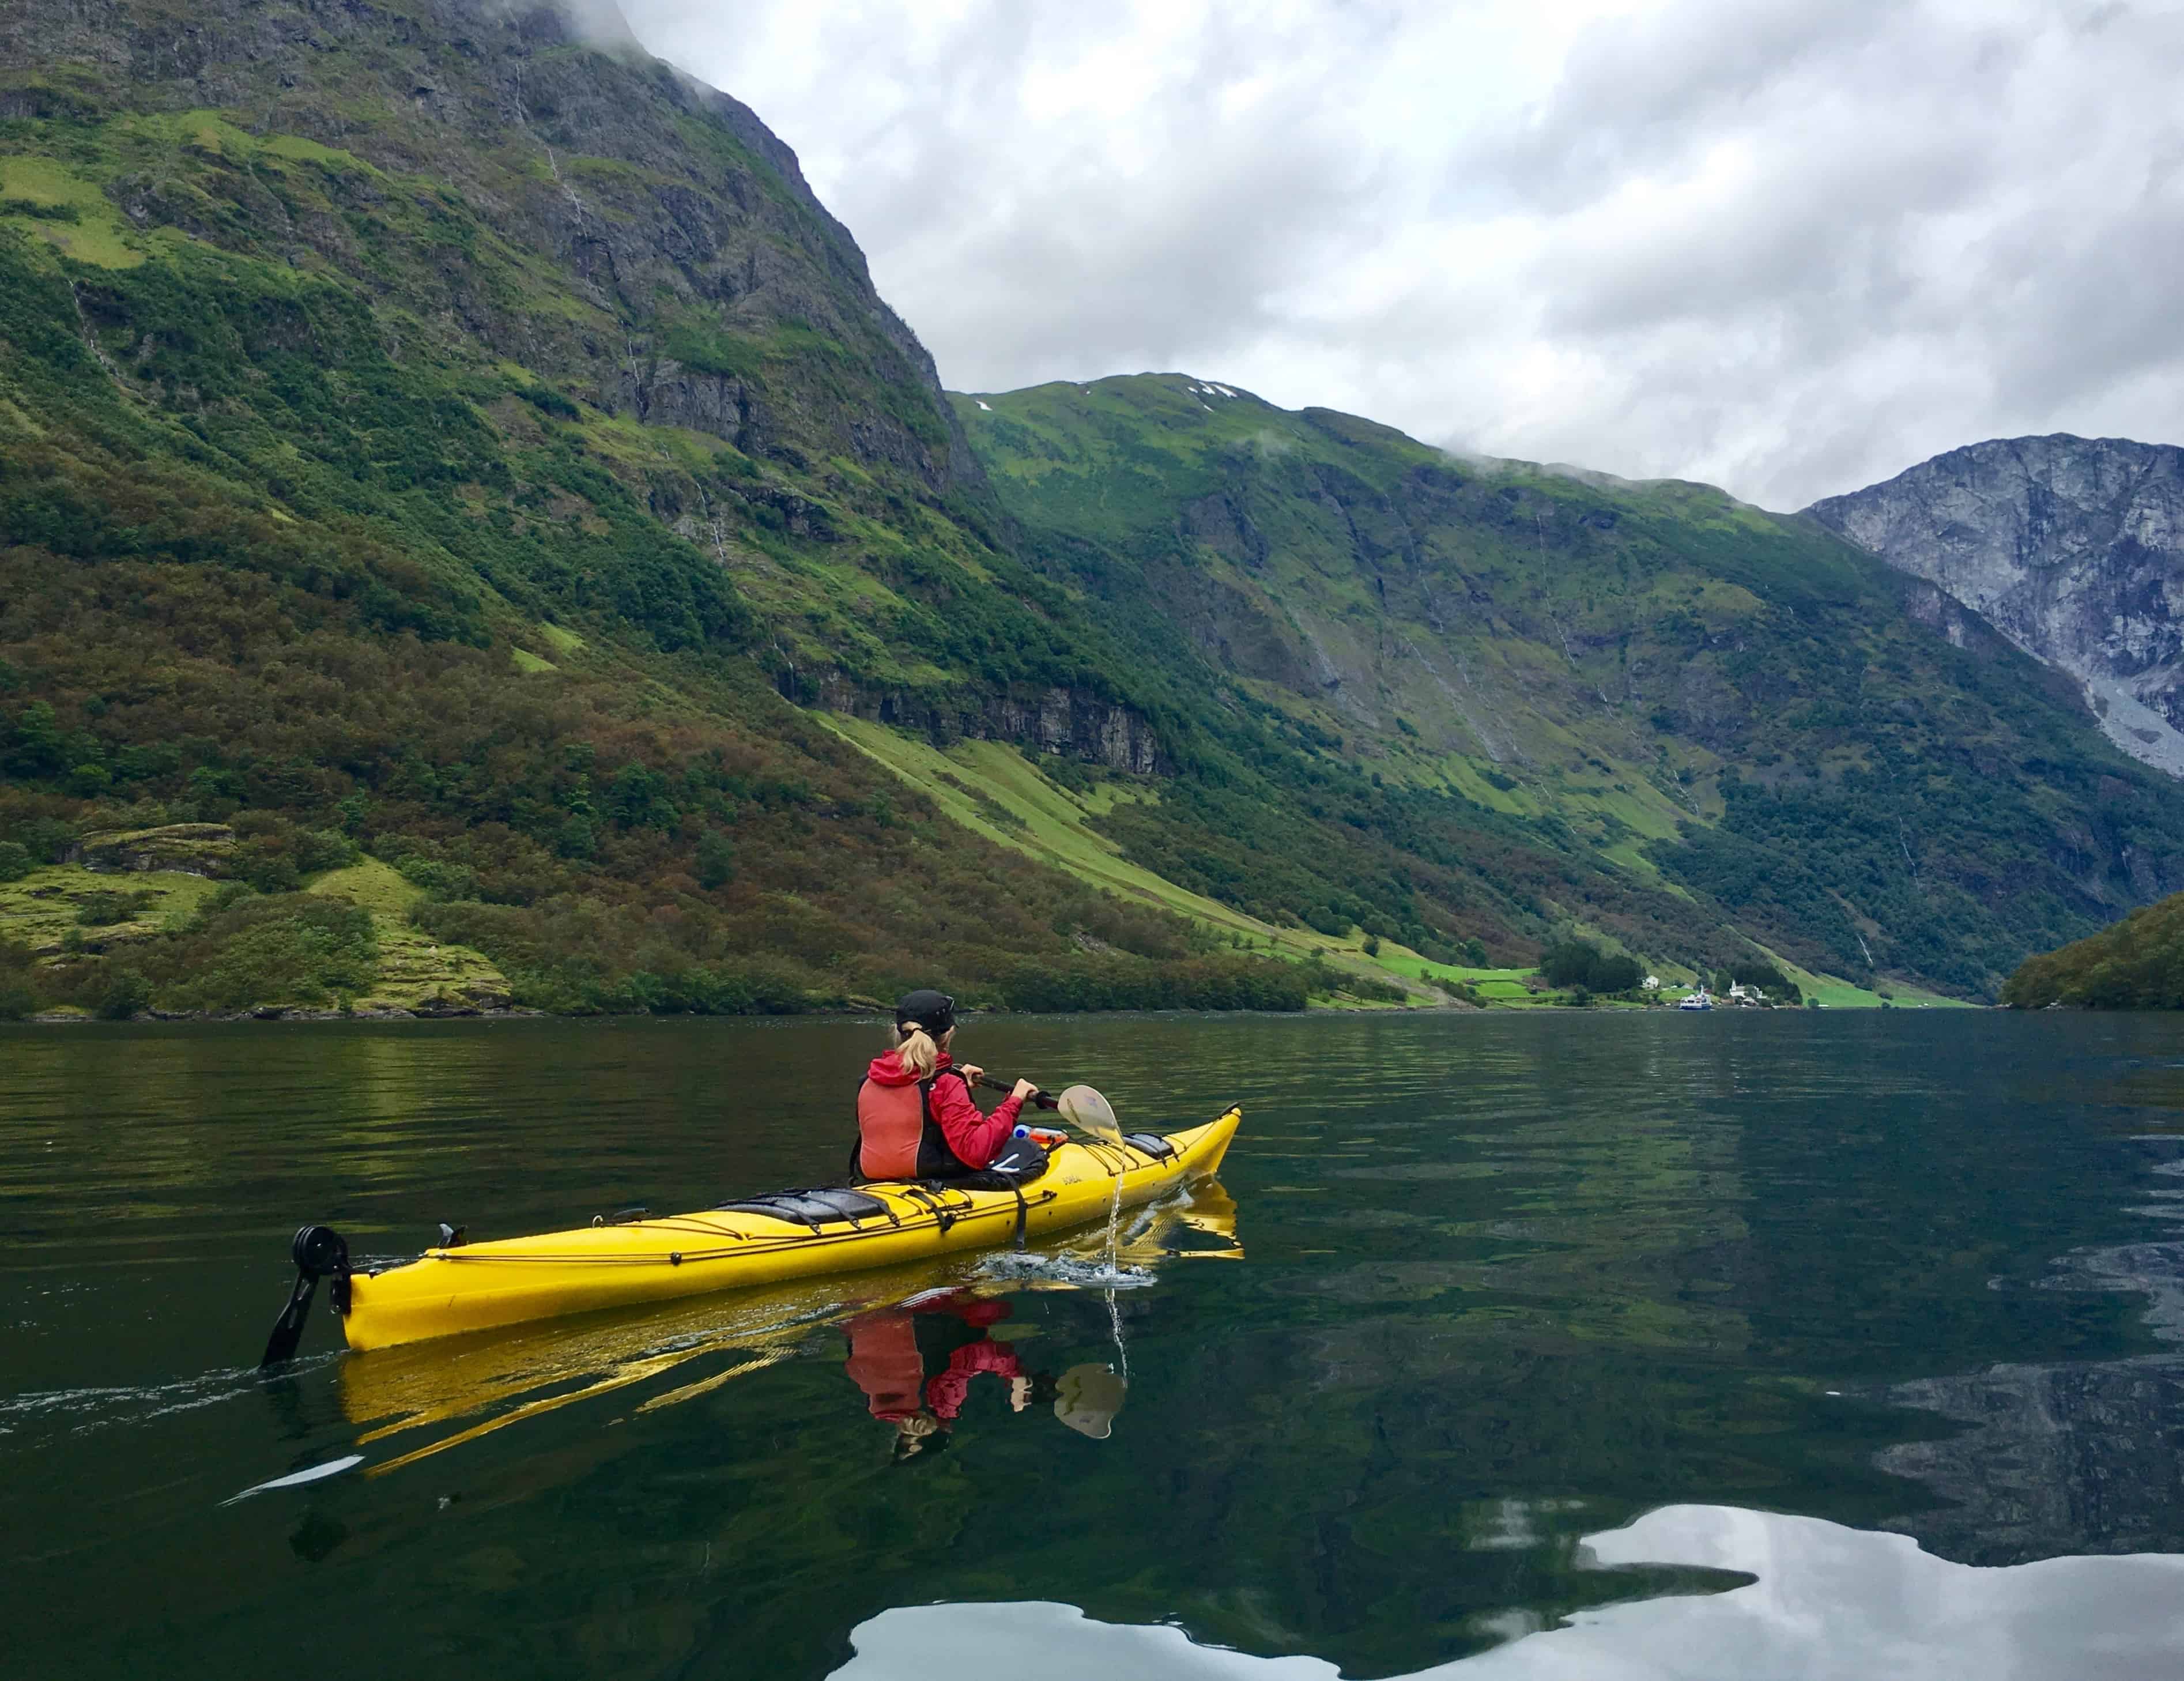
{"x": 915, "y": 1049}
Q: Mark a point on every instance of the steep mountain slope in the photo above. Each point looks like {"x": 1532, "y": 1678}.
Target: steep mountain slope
{"x": 489, "y": 184}
{"x": 2072, "y": 547}
{"x": 1707, "y": 700}
{"x": 425, "y": 429}
{"x": 421, "y": 430}
{"x": 427, "y": 434}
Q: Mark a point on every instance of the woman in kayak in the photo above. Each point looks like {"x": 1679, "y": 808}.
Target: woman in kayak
{"x": 915, "y": 1119}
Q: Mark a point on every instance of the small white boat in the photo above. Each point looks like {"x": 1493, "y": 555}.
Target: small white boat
{"x": 1698, "y": 1001}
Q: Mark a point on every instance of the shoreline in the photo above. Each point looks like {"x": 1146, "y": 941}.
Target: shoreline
{"x": 278, "y": 1015}
{"x": 272, "y": 1014}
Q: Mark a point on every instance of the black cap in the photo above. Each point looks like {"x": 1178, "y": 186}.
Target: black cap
{"x": 934, "y": 1012}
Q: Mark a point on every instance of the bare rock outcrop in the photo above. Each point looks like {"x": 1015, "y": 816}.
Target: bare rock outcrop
{"x": 1050, "y": 719}
{"x": 206, "y": 849}
{"x": 2073, "y": 548}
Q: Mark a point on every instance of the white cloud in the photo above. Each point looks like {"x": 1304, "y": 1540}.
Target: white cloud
{"x": 1790, "y": 248}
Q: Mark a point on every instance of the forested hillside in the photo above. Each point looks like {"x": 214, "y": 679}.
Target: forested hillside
{"x": 1735, "y": 711}
{"x": 2137, "y": 964}
{"x": 465, "y": 465}
{"x": 421, "y": 434}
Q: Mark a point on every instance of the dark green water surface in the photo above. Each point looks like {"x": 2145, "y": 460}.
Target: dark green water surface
{"x": 1503, "y": 1282}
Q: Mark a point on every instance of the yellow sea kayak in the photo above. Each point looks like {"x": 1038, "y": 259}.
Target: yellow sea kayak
{"x": 475, "y": 1287}
{"x": 487, "y": 1383}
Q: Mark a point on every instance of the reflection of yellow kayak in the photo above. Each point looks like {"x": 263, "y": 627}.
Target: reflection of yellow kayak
{"x": 480, "y": 1384}
{"x": 500, "y": 1378}
{"x": 1201, "y": 1226}
{"x": 478, "y": 1287}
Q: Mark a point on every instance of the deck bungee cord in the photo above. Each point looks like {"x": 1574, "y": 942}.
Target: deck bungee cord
{"x": 748, "y": 1245}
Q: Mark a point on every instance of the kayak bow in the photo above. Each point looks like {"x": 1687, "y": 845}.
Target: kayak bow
{"x": 475, "y": 1287}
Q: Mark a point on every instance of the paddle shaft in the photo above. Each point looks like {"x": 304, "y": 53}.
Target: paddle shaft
{"x": 1043, "y": 1100}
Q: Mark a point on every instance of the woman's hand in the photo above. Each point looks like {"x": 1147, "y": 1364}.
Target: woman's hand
{"x": 972, "y": 1072}
{"x": 1025, "y": 1091}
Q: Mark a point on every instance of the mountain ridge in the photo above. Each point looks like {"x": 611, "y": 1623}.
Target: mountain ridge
{"x": 1578, "y": 649}
{"x": 2071, "y": 547}
{"x": 327, "y": 513}
{"x": 468, "y": 448}
{"x": 512, "y": 84}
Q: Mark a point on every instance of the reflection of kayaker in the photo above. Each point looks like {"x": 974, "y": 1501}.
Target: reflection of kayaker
{"x": 914, "y": 1364}
{"x": 915, "y": 1119}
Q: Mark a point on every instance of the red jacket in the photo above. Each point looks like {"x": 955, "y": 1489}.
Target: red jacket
{"x": 887, "y": 1362}
{"x": 946, "y": 1392}
{"x": 975, "y": 1138}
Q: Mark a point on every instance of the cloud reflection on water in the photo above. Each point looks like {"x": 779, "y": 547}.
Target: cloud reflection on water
{"x": 1829, "y": 1603}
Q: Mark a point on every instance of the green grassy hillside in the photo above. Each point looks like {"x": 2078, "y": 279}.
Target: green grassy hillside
{"x": 427, "y": 439}
{"x": 434, "y": 447}
{"x": 1734, "y": 717}
{"x": 348, "y": 946}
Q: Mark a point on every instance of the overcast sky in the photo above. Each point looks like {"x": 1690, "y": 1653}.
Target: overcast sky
{"x": 1789, "y": 248}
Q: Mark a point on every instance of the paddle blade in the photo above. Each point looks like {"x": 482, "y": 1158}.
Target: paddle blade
{"x": 318, "y": 1251}
{"x": 1083, "y": 1106}
{"x": 288, "y": 1329}
{"x": 1087, "y": 1399}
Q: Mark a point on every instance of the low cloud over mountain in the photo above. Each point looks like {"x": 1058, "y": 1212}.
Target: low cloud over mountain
{"x": 1789, "y": 248}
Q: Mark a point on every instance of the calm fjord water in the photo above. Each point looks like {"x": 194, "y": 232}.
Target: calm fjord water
{"x": 1540, "y": 1322}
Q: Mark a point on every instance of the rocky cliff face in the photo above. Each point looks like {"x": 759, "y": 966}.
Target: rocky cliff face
{"x": 2071, "y": 547}
{"x": 501, "y": 177}
{"x": 1053, "y": 719}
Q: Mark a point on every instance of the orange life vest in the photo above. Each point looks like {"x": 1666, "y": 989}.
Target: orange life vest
{"x": 897, "y": 1136}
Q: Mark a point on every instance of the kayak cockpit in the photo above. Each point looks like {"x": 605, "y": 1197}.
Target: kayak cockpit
{"x": 824, "y": 1206}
